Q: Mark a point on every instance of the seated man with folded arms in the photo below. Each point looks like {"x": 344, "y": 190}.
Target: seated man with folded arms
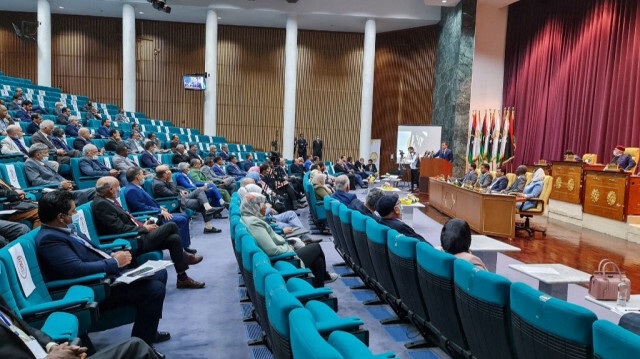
{"x": 455, "y": 239}
{"x": 471, "y": 176}
{"x": 111, "y": 218}
{"x": 196, "y": 200}
{"x": 138, "y": 200}
{"x": 521, "y": 180}
{"x": 500, "y": 182}
{"x": 65, "y": 253}
{"x": 368, "y": 208}
{"x": 15, "y": 346}
{"x": 40, "y": 173}
{"x": 196, "y": 174}
{"x": 388, "y": 207}
{"x": 485, "y": 179}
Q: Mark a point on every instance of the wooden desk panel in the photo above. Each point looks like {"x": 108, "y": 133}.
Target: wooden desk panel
{"x": 633, "y": 208}
{"x": 605, "y": 194}
{"x": 567, "y": 181}
{"x": 488, "y": 214}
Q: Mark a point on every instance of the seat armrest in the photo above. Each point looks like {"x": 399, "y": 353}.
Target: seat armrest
{"x": 327, "y": 326}
{"x": 88, "y": 178}
{"x": 63, "y": 283}
{"x": 116, "y": 236}
{"x": 144, "y": 213}
{"x": 117, "y": 244}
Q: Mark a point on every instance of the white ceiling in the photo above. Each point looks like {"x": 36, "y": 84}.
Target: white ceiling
{"x": 331, "y": 15}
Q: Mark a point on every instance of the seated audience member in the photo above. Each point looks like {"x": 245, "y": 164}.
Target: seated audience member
{"x": 341, "y": 169}
{"x": 455, "y": 239}
{"x": 134, "y": 144}
{"x": 252, "y": 207}
{"x": 15, "y": 104}
{"x": 471, "y": 177}
{"x": 114, "y": 140}
{"x": 368, "y": 208}
{"x": 320, "y": 188}
{"x": 297, "y": 167}
{"x": 281, "y": 173}
{"x": 347, "y": 163}
{"x": 138, "y": 200}
{"x": 5, "y": 120}
{"x": 110, "y": 219}
{"x": 34, "y": 125}
{"x": 307, "y": 163}
{"x": 175, "y": 141}
{"x": 148, "y": 158}
{"x": 120, "y": 117}
{"x": 135, "y": 128}
{"x": 369, "y": 169}
{"x": 91, "y": 166}
{"x": 39, "y": 173}
{"x": 65, "y": 253}
{"x": 71, "y": 130}
{"x": 233, "y": 169}
{"x": 521, "y": 180}
{"x": 320, "y": 166}
{"x": 60, "y": 142}
{"x": 248, "y": 163}
{"x": 9, "y": 231}
{"x": 213, "y": 151}
{"x": 196, "y": 200}
{"x": 196, "y": 174}
{"x": 217, "y": 169}
{"x": 24, "y": 113}
{"x": 622, "y": 160}
{"x": 122, "y": 163}
{"x": 44, "y": 137}
{"x": 193, "y": 152}
{"x": 14, "y": 142}
{"x": 12, "y": 346}
{"x": 226, "y": 182}
{"x": 485, "y": 179}
{"x": 532, "y": 190}
{"x": 179, "y": 155}
{"x": 151, "y": 137}
{"x": 390, "y": 211}
{"x": 87, "y": 106}
{"x": 57, "y": 110}
{"x": 183, "y": 180}
{"x": 572, "y": 156}
{"x": 224, "y": 153}
{"x": 83, "y": 139}
{"x": 92, "y": 114}
{"x": 103, "y": 130}
{"x": 16, "y": 199}
{"x": 342, "y": 194}
{"x": 280, "y": 187}
{"x": 500, "y": 182}
{"x": 64, "y": 116}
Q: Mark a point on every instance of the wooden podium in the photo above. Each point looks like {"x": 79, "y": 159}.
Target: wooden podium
{"x": 433, "y": 167}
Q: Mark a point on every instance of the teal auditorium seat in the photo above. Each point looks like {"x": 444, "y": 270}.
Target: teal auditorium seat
{"x": 359, "y": 223}
{"x": 20, "y": 180}
{"x": 435, "y": 270}
{"x": 377, "y": 241}
{"x": 611, "y": 341}
{"x": 83, "y": 182}
{"x": 339, "y": 241}
{"x": 483, "y": 303}
{"x": 60, "y": 326}
{"x": 172, "y": 204}
{"x": 546, "y": 327}
{"x": 344, "y": 214}
{"x": 142, "y": 215}
{"x": 318, "y": 214}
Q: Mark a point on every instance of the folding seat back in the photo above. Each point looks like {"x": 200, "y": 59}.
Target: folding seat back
{"x": 170, "y": 203}
{"x": 435, "y": 270}
{"x": 482, "y": 298}
{"x": 241, "y": 232}
{"x": 306, "y": 341}
{"x": 249, "y": 248}
{"x": 14, "y": 174}
{"x": 611, "y": 341}
{"x": 546, "y": 327}
{"x": 327, "y": 209}
{"x": 377, "y": 241}
{"x": 81, "y": 180}
{"x": 347, "y": 233}
{"x": 341, "y": 246}
{"x": 359, "y": 223}
{"x": 279, "y": 304}
{"x": 262, "y": 268}
{"x": 402, "y": 257}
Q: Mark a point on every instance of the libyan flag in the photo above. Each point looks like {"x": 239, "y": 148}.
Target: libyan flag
{"x": 510, "y": 147}
{"x": 472, "y": 137}
{"x": 492, "y": 129}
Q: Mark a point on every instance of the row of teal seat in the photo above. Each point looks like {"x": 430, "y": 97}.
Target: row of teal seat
{"x": 472, "y": 312}
{"x": 144, "y": 128}
{"x": 294, "y": 316}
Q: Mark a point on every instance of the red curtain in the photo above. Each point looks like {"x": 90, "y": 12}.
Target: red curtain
{"x": 572, "y": 71}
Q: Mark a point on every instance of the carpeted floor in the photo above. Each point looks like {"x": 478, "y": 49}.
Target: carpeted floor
{"x": 207, "y": 323}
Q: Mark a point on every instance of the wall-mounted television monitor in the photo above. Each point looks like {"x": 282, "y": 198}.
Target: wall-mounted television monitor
{"x": 194, "y": 82}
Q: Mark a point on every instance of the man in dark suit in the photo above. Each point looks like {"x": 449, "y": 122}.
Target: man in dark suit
{"x": 34, "y": 126}
{"x": 14, "y": 105}
{"x": 193, "y": 153}
{"x": 388, "y": 207}
{"x": 71, "y": 130}
{"x": 103, "y": 131}
{"x": 83, "y": 139}
{"x": 445, "y": 153}
{"x": 91, "y": 166}
{"x": 500, "y": 182}
{"x": 63, "y": 117}
{"x": 65, "y": 253}
{"x": 111, "y": 218}
{"x": 368, "y": 208}
{"x": 24, "y": 113}
{"x": 179, "y": 155}
{"x": 623, "y": 160}
{"x": 248, "y": 163}
{"x": 233, "y": 169}
{"x": 340, "y": 169}
{"x": 147, "y": 158}
{"x": 302, "y": 146}
{"x": 138, "y": 200}
{"x": 297, "y": 167}
{"x": 317, "y": 147}
{"x": 224, "y": 153}
{"x": 114, "y": 140}
{"x": 370, "y": 167}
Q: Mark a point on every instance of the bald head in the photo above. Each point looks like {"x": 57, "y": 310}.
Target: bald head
{"x": 163, "y": 172}
{"x": 247, "y": 181}
{"x": 13, "y": 130}
{"x": 108, "y": 187}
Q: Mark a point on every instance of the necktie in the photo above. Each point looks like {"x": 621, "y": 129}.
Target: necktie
{"x": 20, "y": 146}
{"x": 89, "y": 246}
{"x": 133, "y": 219}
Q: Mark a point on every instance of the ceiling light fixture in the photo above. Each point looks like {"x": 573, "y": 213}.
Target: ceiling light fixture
{"x": 141, "y": 13}
{"x": 444, "y": 1}
{"x": 160, "y": 5}
{"x": 61, "y": 7}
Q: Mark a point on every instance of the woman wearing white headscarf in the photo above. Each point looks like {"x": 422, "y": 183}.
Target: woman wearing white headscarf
{"x": 320, "y": 189}
{"x": 252, "y": 209}
{"x": 532, "y": 190}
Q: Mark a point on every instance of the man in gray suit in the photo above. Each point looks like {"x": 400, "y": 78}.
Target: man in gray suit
{"x": 44, "y": 137}
{"x": 120, "y": 117}
{"x": 521, "y": 180}
{"x": 121, "y": 162}
{"x": 471, "y": 176}
{"x": 227, "y": 182}
{"x": 39, "y": 174}
{"x": 63, "y": 117}
{"x": 485, "y": 178}
{"x": 134, "y": 144}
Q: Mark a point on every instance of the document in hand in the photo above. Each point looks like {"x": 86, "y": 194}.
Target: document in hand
{"x": 145, "y": 270}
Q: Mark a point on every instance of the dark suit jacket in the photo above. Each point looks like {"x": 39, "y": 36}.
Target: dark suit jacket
{"x": 178, "y": 157}
{"x": 33, "y": 128}
{"x": 11, "y": 346}
{"x": 160, "y": 188}
{"x": 23, "y": 115}
{"x": 138, "y": 200}
{"x": 402, "y": 228}
{"x": 370, "y": 167}
{"x": 62, "y": 257}
{"x": 112, "y": 144}
{"x": 62, "y": 119}
{"x": 317, "y": 148}
{"x": 337, "y": 168}
{"x": 93, "y": 168}
{"x": 297, "y": 169}
{"x": 499, "y": 184}
{"x": 148, "y": 160}
{"x": 193, "y": 155}
{"x": 446, "y": 154}
{"x": 12, "y": 106}
{"x": 624, "y": 161}
{"x": 110, "y": 219}
{"x": 103, "y": 132}
{"x": 235, "y": 171}
{"x": 80, "y": 142}
{"x": 60, "y": 144}
{"x": 71, "y": 130}
{"x": 247, "y": 165}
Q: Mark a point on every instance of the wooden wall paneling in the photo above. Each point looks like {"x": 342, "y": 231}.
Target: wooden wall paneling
{"x": 18, "y": 58}
{"x": 250, "y": 85}
{"x": 403, "y": 85}
{"x": 87, "y": 56}
{"x": 164, "y": 52}
{"x": 329, "y": 84}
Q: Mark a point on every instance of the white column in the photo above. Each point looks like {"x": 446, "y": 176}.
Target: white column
{"x": 211, "y": 67}
{"x": 44, "y": 43}
{"x": 366, "y": 109}
{"x": 290, "y": 69}
{"x": 128, "y": 58}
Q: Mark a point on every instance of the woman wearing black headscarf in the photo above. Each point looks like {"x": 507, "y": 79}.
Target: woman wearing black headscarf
{"x": 456, "y": 239}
